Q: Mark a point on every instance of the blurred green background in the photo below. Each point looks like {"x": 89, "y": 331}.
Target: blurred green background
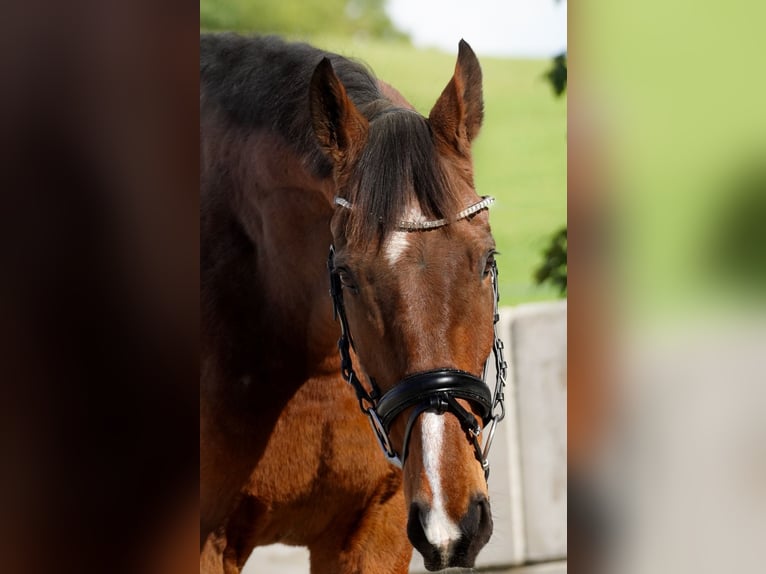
{"x": 520, "y": 155}
{"x": 682, "y": 114}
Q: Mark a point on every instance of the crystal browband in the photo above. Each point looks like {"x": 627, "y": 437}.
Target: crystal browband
{"x": 485, "y": 202}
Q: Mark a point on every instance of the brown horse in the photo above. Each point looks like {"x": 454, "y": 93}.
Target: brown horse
{"x": 304, "y": 151}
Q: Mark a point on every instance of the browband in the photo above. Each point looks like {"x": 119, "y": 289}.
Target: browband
{"x": 485, "y": 202}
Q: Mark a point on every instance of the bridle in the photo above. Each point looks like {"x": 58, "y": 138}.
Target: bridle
{"x": 436, "y": 390}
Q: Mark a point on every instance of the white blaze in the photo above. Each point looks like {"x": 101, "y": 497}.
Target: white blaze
{"x": 438, "y": 527}
{"x": 398, "y": 241}
{"x": 396, "y": 245}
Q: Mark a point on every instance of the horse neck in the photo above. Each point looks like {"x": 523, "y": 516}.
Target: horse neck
{"x": 286, "y": 211}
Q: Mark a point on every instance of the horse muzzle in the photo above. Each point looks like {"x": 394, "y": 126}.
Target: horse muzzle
{"x": 475, "y": 530}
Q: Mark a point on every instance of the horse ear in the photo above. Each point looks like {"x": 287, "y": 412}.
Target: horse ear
{"x": 459, "y": 111}
{"x": 339, "y": 127}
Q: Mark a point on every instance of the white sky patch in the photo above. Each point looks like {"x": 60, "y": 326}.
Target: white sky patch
{"x": 439, "y": 529}
{"x": 519, "y": 28}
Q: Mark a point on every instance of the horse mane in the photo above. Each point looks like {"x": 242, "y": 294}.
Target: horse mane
{"x": 262, "y": 82}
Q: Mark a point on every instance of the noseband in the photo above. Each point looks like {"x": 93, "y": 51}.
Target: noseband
{"x": 436, "y": 390}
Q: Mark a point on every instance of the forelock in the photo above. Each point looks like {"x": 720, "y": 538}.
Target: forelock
{"x": 398, "y": 169}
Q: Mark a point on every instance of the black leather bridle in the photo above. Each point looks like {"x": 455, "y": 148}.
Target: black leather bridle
{"x": 436, "y": 390}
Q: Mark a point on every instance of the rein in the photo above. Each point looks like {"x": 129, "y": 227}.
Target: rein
{"x": 436, "y": 390}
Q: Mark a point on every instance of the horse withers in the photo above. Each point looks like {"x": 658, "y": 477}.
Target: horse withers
{"x": 304, "y": 153}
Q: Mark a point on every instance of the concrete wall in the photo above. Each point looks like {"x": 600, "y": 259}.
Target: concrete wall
{"x": 527, "y": 483}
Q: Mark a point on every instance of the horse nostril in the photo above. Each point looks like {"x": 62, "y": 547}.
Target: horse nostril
{"x": 416, "y": 526}
{"x": 472, "y": 519}
{"x": 476, "y": 525}
{"x": 428, "y": 538}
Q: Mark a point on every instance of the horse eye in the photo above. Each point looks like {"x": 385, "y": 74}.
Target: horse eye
{"x": 346, "y": 280}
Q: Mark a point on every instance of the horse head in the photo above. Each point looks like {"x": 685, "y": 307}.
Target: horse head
{"x": 413, "y": 278}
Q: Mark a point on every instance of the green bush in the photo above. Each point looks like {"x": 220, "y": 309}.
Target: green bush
{"x": 553, "y": 269}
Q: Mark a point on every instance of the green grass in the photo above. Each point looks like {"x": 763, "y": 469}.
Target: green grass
{"x": 520, "y": 155}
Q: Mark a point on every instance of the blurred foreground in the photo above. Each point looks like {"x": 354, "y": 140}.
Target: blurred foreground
{"x": 667, "y": 298}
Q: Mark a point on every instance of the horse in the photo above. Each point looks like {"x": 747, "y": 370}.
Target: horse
{"x": 316, "y": 176}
